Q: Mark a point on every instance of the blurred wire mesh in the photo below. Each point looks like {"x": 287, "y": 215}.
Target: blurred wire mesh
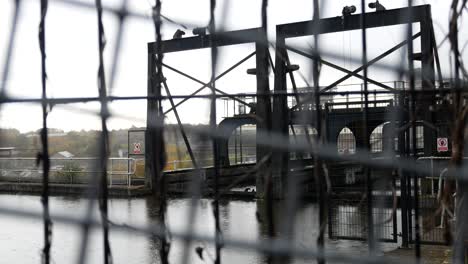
{"x": 359, "y": 151}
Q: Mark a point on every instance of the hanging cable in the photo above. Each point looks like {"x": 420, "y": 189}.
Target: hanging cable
{"x": 214, "y": 57}
{"x": 343, "y": 48}
{"x": 44, "y": 156}
{"x": 104, "y": 141}
{"x": 158, "y": 159}
{"x": 321, "y": 195}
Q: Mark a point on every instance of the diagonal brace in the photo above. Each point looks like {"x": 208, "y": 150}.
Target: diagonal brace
{"x": 332, "y": 65}
{"x": 207, "y": 84}
{"x": 369, "y": 63}
{"x": 179, "y": 122}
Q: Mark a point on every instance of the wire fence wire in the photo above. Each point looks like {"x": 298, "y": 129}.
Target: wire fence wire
{"x": 340, "y": 192}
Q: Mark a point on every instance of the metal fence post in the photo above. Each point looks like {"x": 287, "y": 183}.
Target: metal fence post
{"x": 110, "y": 172}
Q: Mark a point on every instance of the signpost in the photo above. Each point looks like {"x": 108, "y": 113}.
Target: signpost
{"x": 137, "y": 148}
{"x": 442, "y": 144}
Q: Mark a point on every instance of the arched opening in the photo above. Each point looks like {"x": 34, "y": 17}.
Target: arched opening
{"x": 302, "y": 134}
{"x": 242, "y": 146}
{"x": 419, "y": 138}
{"x": 384, "y": 138}
{"x": 376, "y": 139}
{"x": 346, "y": 142}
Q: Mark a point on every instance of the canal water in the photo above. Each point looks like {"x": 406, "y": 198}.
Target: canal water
{"x": 21, "y": 240}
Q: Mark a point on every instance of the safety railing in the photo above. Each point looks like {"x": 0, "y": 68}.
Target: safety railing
{"x": 359, "y": 104}
{"x": 434, "y": 208}
{"x": 67, "y": 170}
{"x": 233, "y": 108}
{"x": 174, "y": 165}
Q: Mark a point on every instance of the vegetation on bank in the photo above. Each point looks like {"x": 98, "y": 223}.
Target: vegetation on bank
{"x": 81, "y": 143}
{"x": 86, "y": 144}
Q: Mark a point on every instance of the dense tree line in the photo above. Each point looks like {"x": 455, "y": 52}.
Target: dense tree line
{"x": 85, "y": 143}
{"x": 80, "y": 143}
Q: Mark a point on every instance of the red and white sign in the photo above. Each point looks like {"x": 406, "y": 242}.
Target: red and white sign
{"x": 137, "y": 148}
{"x": 442, "y": 144}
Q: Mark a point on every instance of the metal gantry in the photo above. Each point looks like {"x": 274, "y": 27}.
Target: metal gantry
{"x": 275, "y": 103}
{"x": 340, "y": 182}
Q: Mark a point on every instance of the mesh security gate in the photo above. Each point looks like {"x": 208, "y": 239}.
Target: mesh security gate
{"x": 348, "y": 221}
{"x": 347, "y": 215}
{"x": 436, "y": 219}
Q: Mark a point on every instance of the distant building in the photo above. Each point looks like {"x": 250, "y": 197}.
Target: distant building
{"x": 7, "y": 151}
{"x": 62, "y": 155}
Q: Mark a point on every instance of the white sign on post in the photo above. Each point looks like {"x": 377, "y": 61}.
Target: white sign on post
{"x": 442, "y": 144}
{"x": 137, "y": 148}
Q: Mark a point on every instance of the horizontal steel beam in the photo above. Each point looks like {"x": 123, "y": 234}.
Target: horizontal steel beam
{"x": 200, "y": 42}
{"x": 353, "y": 22}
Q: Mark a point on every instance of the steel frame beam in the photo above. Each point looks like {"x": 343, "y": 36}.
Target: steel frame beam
{"x": 253, "y": 35}
{"x": 201, "y": 42}
{"x": 391, "y": 17}
{"x": 369, "y": 63}
{"x": 402, "y": 16}
{"x": 418, "y": 14}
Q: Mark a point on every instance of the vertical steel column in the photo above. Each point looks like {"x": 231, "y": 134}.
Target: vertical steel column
{"x": 280, "y": 123}
{"x": 427, "y": 51}
{"x": 409, "y": 193}
{"x": 413, "y": 116}
{"x": 318, "y": 120}
{"x": 428, "y": 80}
{"x": 151, "y": 110}
{"x": 403, "y": 199}
{"x": 154, "y": 145}
{"x": 326, "y": 139}
{"x": 263, "y": 107}
{"x": 240, "y": 146}
{"x": 370, "y": 213}
{"x": 128, "y": 160}
{"x": 403, "y": 180}
{"x": 235, "y": 135}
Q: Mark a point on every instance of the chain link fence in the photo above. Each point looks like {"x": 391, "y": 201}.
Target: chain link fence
{"x": 361, "y": 181}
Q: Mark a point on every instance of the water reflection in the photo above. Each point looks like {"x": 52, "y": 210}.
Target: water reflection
{"x": 21, "y": 239}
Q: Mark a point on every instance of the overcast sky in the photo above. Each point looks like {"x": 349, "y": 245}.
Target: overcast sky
{"x": 72, "y": 57}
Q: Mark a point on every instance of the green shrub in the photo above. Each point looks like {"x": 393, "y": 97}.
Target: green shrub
{"x": 70, "y": 169}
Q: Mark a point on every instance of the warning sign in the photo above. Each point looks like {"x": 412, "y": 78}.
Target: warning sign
{"x": 442, "y": 144}
{"x": 137, "y": 148}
